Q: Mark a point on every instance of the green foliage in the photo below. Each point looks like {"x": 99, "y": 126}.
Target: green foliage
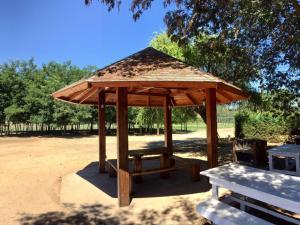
{"x": 163, "y": 43}
{"x": 265, "y": 125}
{"x": 146, "y": 117}
{"x": 184, "y": 115}
{"x": 263, "y": 35}
{"x": 25, "y": 96}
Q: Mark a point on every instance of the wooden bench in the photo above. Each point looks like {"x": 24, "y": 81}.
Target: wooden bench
{"x": 191, "y": 165}
{"x": 112, "y": 169}
{"x": 223, "y": 214}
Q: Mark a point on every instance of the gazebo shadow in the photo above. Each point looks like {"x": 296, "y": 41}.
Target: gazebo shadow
{"x": 179, "y": 182}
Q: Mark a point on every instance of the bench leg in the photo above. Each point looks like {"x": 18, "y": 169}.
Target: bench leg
{"x": 195, "y": 172}
{"x": 244, "y": 206}
{"x": 215, "y": 191}
{"x": 164, "y": 163}
{"x": 124, "y": 188}
{"x": 138, "y": 168}
{"x": 111, "y": 171}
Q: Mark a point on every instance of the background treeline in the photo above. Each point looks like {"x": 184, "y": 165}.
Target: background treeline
{"x": 27, "y": 107}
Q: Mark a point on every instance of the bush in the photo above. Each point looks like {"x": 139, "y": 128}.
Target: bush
{"x": 262, "y": 126}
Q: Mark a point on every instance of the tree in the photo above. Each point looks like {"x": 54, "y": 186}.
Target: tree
{"x": 183, "y": 116}
{"x": 146, "y": 118}
{"x": 205, "y": 52}
{"x": 266, "y": 31}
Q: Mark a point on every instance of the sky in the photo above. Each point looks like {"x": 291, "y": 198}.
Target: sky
{"x": 62, "y": 30}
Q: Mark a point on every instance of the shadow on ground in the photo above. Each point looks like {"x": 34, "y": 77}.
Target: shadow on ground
{"x": 181, "y": 212}
{"x": 197, "y": 147}
{"x": 179, "y": 182}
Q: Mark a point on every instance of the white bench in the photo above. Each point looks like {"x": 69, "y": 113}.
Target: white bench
{"x": 223, "y": 214}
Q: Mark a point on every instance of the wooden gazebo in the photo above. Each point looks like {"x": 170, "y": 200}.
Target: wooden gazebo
{"x": 150, "y": 78}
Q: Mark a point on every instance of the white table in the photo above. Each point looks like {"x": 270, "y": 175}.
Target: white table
{"x": 285, "y": 151}
{"x": 273, "y": 188}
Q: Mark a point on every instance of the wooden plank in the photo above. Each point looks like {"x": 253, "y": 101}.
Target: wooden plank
{"x": 211, "y": 127}
{"x": 152, "y": 151}
{"x": 122, "y": 147}
{"x": 258, "y": 184}
{"x": 160, "y": 84}
{"x": 153, "y": 171}
{"x": 101, "y": 131}
{"x": 222, "y": 213}
{"x": 140, "y": 93}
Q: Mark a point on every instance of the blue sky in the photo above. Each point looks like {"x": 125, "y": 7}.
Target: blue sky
{"x": 61, "y": 30}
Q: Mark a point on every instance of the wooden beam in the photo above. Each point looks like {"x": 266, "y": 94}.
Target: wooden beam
{"x": 79, "y": 95}
{"x": 122, "y": 146}
{"x": 101, "y": 131}
{"x": 168, "y": 123}
{"x": 143, "y": 90}
{"x": 173, "y": 102}
{"x": 140, "y": 93}
{"x": 192, "y": 99}
{"x": 148, "y": 100}
{"x": 233, "y": 90}
{"x": 211, "y": 127}
{"x": 225, "y": 95}
{"x": 88, "y": 95}
{"x": 75, "y": 87}
{"x": 165, "y": 161}
{"x": 155, "y": 84}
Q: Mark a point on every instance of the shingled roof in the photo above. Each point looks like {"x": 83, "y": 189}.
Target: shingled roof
{"x": 150, "y": 75}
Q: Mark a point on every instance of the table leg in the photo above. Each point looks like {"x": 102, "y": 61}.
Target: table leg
{"x": 164, "y": 163}
{"x": 138, "y": 168}
{"x": 215, "y": 191}
{"x": 297, "y": 165}
{"x": 243, "y": 207}
{"x": 286, "y": 162}
{"x": 271, "y": 162}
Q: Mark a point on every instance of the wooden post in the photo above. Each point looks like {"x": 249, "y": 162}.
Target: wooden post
{"x": 165, "y": 160}
{"x": 211, "y": 127}
{"x": 168, "y": 124}
{"x": 101, "y": 131}
{"x": 122, "y": 145}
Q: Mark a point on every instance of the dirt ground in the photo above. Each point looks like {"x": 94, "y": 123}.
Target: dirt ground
{"x": 31, "y": 170}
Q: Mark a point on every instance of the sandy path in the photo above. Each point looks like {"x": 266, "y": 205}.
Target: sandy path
{"x": 31, "y": 168}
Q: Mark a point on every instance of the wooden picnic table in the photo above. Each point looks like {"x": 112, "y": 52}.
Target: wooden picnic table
{"x": 140, "y": 154}
{"x": 286, "y": 151}
{"x": 270, "y": 187}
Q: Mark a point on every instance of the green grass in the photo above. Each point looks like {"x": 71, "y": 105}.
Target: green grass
{"x": 199, "y": 126}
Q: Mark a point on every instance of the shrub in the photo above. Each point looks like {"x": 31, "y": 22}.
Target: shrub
{"x": 262, "y": 126}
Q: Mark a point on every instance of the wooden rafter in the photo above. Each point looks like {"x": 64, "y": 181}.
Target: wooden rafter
{"x": 142, "y": 90}
{"x": 78, "y": 95}
{"x": 89, "y": 94}
{"x": 225, "y": 95}
{"x": 191, "y": 98}
{"x": 173, "y": 102}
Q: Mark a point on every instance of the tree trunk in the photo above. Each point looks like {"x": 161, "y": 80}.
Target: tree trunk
{"x": 157, "y": 129}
